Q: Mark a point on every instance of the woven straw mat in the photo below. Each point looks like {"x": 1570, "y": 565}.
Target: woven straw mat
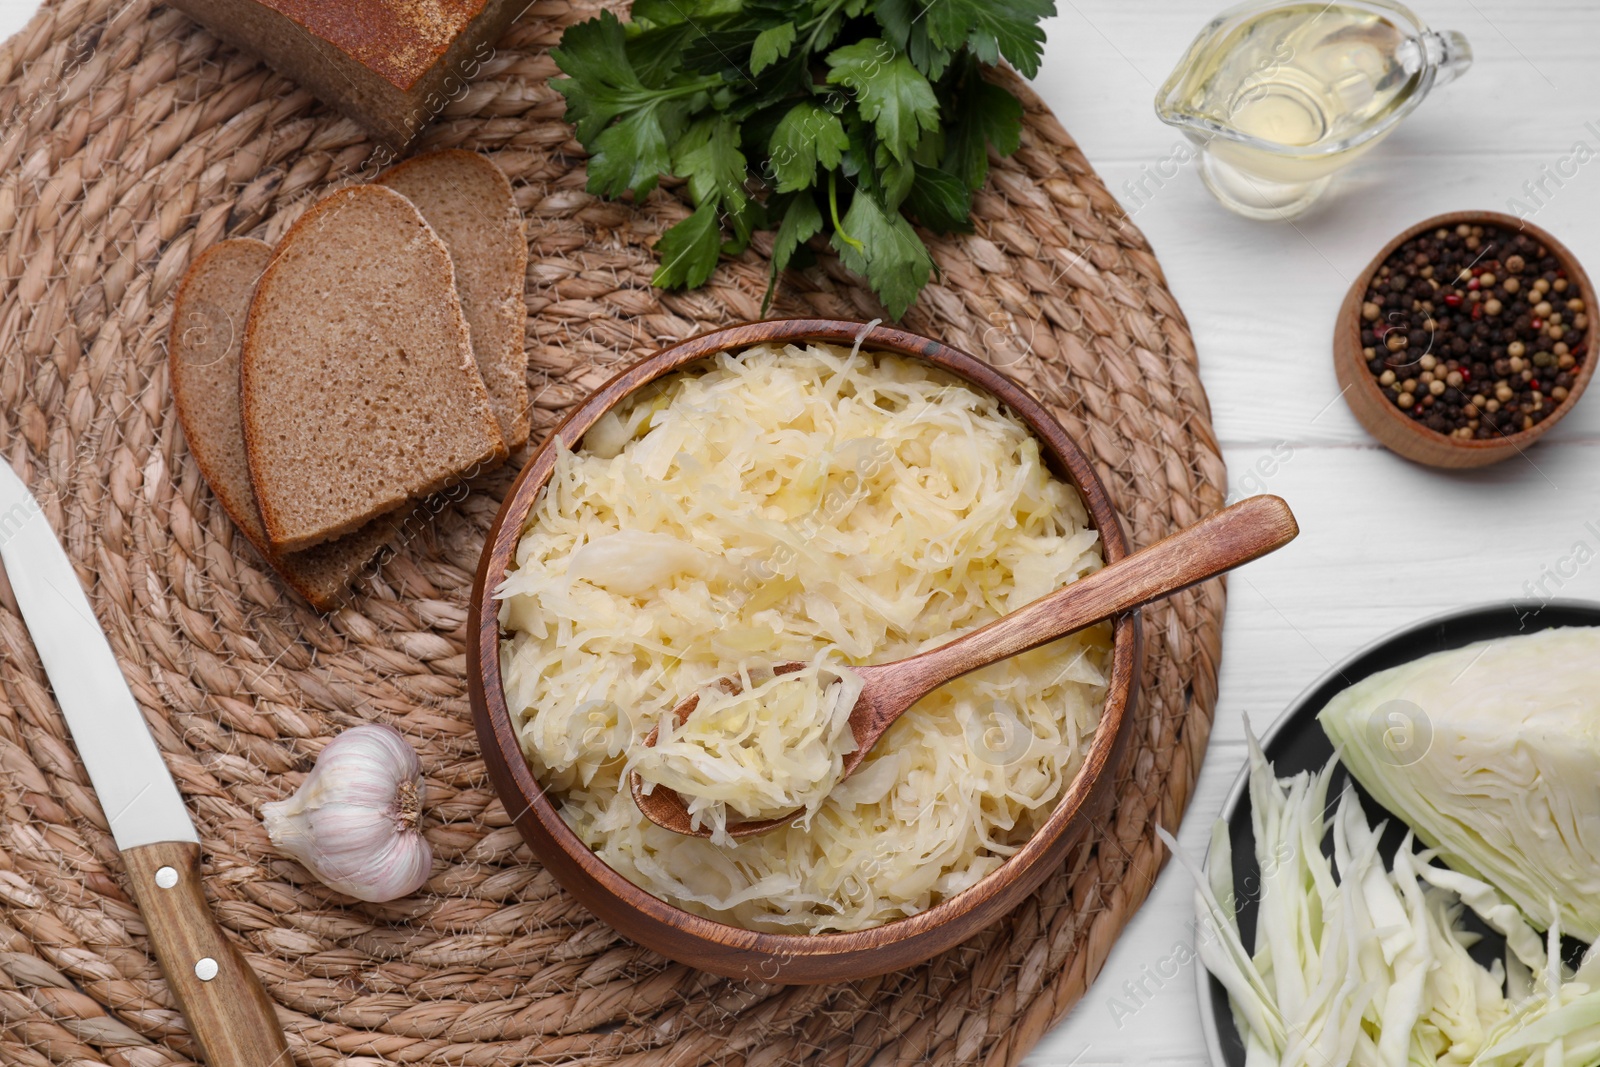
{"x": 130, "y": 141}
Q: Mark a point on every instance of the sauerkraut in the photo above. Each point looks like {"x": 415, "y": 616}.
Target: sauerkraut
{"x": 774, "y": 745}
{"x": 780, "y": 504}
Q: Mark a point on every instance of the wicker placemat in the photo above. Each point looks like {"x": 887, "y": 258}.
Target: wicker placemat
{"x": 130, "y": 141}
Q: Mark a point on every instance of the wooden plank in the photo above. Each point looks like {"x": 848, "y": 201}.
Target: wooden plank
{"x": 1383, "y": 544}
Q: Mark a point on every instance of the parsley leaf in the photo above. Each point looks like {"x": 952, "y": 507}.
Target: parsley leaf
{"x": 745, "y": 221}
{"x": 630, "y": 155}
{"x": 884, "y": 248}
{"x": 907, "y": 30}
{"x": 654, "y": 52}
{"x": 602, "y": 83}
{"x": 708, "y": 155}
{"x": 802, "y": 220}
{"x": 783, "y": 114}
{"x": 985, "y": 114}
{"x": 895, "y": 181}
{"x": 893, "y": 95}
{"x": 992, "y": 28}
{"x": 940, "y": 201}
{"x": 771, "y": 45}
{"x": 689, "y": 250}
{"x": 807, "y": 134}
{"x": 691, "y": 12}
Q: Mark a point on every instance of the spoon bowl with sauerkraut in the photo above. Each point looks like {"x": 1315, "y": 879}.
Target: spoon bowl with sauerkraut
{"x": 819, "y": 492}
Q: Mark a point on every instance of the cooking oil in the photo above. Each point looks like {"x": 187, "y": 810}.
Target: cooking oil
{"x": 1288, "y": 93}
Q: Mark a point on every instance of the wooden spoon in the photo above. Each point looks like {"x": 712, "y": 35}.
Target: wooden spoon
{"x": 1217, "y": 543}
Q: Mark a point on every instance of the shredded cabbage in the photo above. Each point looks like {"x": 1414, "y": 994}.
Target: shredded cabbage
{"x": 1492, "y": 752}
{"x": 1358, "y": 965}
{"x": 776, "y": 745}
{"x": 783, "y": 504}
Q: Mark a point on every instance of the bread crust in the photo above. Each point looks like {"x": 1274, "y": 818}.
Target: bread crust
{"x": 185, "y": 402}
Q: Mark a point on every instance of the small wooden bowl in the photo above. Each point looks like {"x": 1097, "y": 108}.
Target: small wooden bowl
{"x": 1396, "y": 430}
{"x": 790, "y": 958}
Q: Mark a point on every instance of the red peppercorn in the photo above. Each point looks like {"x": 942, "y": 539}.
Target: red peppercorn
{"x": 1537, "y": 324}
{"x": 1477, "y": 312}
{"x": 1473, "y": 284}
{"x": 1453, "y": 299}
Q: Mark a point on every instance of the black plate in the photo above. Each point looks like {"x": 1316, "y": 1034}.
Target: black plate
{"x": 1295, "y": 743}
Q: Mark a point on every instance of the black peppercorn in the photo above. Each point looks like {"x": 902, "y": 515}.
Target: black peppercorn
{"x": 1459, "y": 305}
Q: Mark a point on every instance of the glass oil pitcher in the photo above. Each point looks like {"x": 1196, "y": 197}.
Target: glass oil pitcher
{"x": 1279, "y": 96}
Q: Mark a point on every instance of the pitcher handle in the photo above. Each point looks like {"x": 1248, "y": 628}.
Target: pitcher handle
{"x": 1448, "y": 53}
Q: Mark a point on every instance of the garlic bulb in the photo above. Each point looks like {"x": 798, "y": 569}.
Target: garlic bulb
{"x": 353, "y": 823}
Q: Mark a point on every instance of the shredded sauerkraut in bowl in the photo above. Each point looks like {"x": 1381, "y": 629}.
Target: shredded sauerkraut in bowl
{"x": 783, "y": 504}
{"x": 772, "y": 744}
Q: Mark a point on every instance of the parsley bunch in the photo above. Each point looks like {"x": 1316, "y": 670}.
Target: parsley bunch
{"x": 854, "y": 116}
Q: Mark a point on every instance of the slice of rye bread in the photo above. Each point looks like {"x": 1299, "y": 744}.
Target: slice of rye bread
{"x": 207, "y": 335}
{"x": 358, "y": 386}
{"x": 467, "y": 200}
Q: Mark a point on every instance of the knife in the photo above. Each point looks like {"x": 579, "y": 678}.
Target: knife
{"x": 229, "y": 1012}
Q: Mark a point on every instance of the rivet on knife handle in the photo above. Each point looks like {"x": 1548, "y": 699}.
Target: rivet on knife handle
{"x": 229, "y": 1012}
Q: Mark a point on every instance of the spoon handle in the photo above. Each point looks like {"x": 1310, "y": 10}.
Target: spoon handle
{"x": 1236, "y": 535}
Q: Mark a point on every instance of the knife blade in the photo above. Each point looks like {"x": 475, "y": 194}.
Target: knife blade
{"x": 228, "y": 1010}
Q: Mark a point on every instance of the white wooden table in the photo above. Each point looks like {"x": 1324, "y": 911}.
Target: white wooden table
{"x": 14, "y": 15}
{"x": 1384, "y": 542}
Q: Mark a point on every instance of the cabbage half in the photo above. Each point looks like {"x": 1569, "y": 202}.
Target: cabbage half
{"x": 1491, "y": 753}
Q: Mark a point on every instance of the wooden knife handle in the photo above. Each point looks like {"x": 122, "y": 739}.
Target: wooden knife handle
{"x": 229, "y": 1012}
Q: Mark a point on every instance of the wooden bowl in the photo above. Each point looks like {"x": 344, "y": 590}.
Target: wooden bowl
{"x": 792, "y": 958}
{"x": 1396, "y": 430}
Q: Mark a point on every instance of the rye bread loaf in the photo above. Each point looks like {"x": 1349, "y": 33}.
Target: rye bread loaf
{"x": 391, "y": 65}
{"x": 358, "y": 387}
{"x": 207, "y": 334}
{"x": 467, "y": 200}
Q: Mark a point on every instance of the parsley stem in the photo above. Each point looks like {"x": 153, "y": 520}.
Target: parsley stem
{"x": 816, "y": 23}
{"x": 652, "y": 97}
{"x": 833, "y": 209}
